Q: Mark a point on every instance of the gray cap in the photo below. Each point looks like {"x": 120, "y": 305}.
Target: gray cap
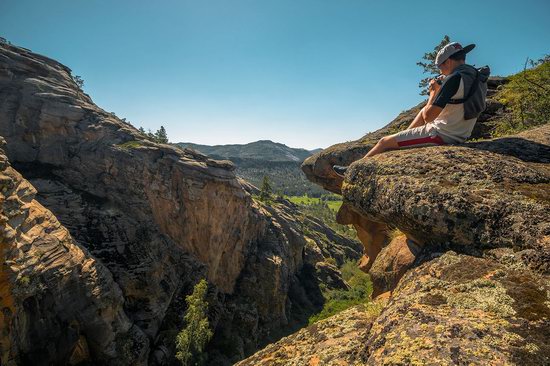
{"x": 449, "y": 50}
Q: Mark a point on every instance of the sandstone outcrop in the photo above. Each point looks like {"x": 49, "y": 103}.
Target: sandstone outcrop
{"x": 470, "y": 198}
{"x": 463, "y": 310}
{"x": 333, "y": 341}
{"x": 488, "y": 305}
{"x": 58, "y": 302}
{"x": 157, "y": 218}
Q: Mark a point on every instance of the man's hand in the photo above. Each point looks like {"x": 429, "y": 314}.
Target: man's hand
{"x": 434, "y": 86}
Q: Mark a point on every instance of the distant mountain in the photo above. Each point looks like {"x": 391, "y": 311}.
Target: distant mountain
{"x": 315, "y": 151}
{"x": 266, "y": 158}
{"x": 258, "y": 150}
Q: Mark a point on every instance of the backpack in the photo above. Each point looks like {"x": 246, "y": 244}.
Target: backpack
{"x": 474, "y": 101}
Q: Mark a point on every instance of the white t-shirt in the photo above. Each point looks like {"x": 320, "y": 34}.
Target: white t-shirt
{"x": 450, "y": 123}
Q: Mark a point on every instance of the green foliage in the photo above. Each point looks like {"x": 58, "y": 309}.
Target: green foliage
{"x": 284, "y": 176}
{"x": 131, "y": 144}
{"x": 196, "y": 334}
{"x": 4, "y": 41}
{"x": 160, "y": 136}
{"x": 79, "y": 81}
{"x": 324, "y": 208}
{"x": 24, "y": 281}
{"x": 338, "y": 300}
{"x": 429, "y": 66}
{"x": 265, "y": 191}
{"x": 527, "y": 97}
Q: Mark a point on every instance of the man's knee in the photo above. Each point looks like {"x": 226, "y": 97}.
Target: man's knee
{"x": 389, "y": 142}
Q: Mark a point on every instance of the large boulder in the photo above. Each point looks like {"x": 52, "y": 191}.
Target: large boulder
{"x": 463, "y": 310}
{"x": 470, "y": 197}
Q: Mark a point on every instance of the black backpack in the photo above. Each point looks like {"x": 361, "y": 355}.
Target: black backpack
{"x": 474, "y": 101}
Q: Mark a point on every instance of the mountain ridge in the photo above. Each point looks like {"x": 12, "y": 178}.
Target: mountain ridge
{"x": 261, "y": 149}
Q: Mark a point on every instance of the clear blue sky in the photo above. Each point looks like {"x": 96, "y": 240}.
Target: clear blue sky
{"x": 307, "y": 73}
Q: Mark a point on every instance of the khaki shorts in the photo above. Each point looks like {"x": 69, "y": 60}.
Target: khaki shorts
{"x": 419, "y": 136}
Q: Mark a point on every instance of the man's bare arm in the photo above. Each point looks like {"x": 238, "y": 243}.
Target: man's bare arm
{"x": 430, "y": 111}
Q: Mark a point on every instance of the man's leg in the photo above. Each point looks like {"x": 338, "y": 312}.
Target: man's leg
{"x": 384, "y": 144}
{"x": 411, "y": 137}
{"x": 390, "y": 142}
{"x": 418, "y": 120}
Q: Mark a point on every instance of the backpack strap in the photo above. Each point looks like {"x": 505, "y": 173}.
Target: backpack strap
{"x": 471, "y": 92}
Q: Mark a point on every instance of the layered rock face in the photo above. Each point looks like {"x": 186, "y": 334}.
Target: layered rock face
{"x": 51, "y": 285}
{"x": 155, "y": 218}
{"x": 53, "y": 127}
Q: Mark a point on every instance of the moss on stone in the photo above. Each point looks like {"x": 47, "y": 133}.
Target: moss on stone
{"x": 134, "y": 144}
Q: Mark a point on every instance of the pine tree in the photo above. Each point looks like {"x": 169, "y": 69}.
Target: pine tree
{"x": 265, "y": 192}
{"x": 79, "y": 81}
{"x": 429, "y": 65}
{"x": 161, "y": 136}
{"x": 196, "y": 334}
{"x": 150, "y": 135}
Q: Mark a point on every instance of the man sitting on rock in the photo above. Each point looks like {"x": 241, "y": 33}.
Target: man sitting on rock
{"x": 457, "y": 98}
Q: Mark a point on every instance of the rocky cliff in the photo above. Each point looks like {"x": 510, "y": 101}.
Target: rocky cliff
{"x": 51, "y": 285}
{"x": 469, "y": 275}
{"x": 131, "y": 226}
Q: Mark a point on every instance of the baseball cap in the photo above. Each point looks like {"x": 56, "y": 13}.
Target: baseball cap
{"x": 449, "y": 50}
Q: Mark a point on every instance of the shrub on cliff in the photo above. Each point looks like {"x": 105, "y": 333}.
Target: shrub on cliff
{"x": 339, "y": 300}
{"x": 265, "y": 192}
{"x": 527, "y": 97}
{"x": 193, "y": 338}
{"x": 160, "y": 136}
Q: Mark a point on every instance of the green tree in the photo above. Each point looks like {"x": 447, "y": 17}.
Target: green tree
{"x": 193, "y": 338}
{"x": 527, "y": 97}
{"x": 161, "y": 136}
{"x": 265, "y": 192}
{"x": 428, "y": 65}
{"x": 79, "y": 81}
